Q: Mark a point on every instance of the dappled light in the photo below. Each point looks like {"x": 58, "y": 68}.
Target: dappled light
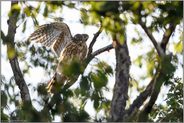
{"x": 108, "y": 61}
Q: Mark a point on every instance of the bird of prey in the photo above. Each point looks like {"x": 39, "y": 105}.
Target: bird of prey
{"x": 58, "y": 37}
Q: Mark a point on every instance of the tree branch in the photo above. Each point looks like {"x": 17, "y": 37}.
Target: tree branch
{"x": 158, "y": 81}
{"x": 99, "y": 51}
{"x": 90, "y": 49}
{"x": 143, "y": 96}
{"x": 137, "y": 103}
{"x": 166, "y": 36}
{"x": 143, "y": 116}
{"x": 162, "y": 76}
{"x": 148, "y": 32}
{"x": 12, "y": 56}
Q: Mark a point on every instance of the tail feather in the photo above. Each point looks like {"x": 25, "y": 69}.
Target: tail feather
{"x": 54, "y": 85}
{"x": 51, "y": 84}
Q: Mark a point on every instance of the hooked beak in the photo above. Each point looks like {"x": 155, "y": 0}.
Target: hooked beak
{"x": 85, "y": 37}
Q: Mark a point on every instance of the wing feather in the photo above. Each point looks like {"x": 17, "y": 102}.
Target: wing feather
{"x": 55, "y": 35}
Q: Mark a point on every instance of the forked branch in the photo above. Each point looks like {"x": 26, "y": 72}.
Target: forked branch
{"x": 97, "y": 52}
{"x": 167, "y": 36}
{"x": 138, "y": 102}
{"x": 90, "y": 49}
{"x": 154, "y": 87}
{"x": 153, "y": 40}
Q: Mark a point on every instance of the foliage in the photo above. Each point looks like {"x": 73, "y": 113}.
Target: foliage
{"x": 106, "y": 14}
{"x": 70, "y": 103}
{"x": 173, "y": 111}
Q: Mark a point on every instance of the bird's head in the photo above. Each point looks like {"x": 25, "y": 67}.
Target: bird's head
{"x": 80, "y": 38}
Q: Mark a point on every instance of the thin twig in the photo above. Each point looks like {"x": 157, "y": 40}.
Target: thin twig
{"x": 90, "y": 49}
{"x": 166, "y": 36}
{"x": 148, "y": 32}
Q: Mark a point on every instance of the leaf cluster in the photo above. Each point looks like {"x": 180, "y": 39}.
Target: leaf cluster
{"x": 173, "y": 110}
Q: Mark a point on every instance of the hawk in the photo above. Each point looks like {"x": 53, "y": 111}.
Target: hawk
{"x": 58, "y": 37}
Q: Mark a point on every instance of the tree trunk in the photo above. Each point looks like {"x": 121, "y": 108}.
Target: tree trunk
{"x": 120, "y": 94}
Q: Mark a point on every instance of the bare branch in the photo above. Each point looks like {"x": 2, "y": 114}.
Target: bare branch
{"x": 149, "y": 91}
{"x": 153, "y": 88}
{"x": 167, "y": 35}
{"x": 97, "y": 52}
{"x": 20, "y": 80}
{"x": 143, "y": 116}
{"x": 90, "y": 49}
{"x": 158, "y": 82}
{"x": 13, "y": 58}
{"x": 148, "y": 32}
{"x": 137, "y": 103}
{"x": 3, "y": 37}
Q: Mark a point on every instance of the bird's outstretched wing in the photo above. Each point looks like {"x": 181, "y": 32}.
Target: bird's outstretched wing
{"x": 55, "y": 35}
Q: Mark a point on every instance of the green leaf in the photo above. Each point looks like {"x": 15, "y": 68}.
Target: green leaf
{"x": 178, "y": 47}
{"x": 45, "y": 13}
{"x": 120, "y": 37}
{"x": 106, "y": 68}
{"x": 11, "y": 52}
{"x": 27, "y": 11}
{"x": 84, "y": 84}
{"x": 96, "y": 104}
{"x": 42, "y": 89}
{"x": 135, "y": 41}
{"x": 136, "y": 5}
{"x": 72, "y": 68}
{"x": 71, "y": 5}
{"x": 24, "y": 26}
{"x": 4, "y": 117}
{"x": 68, "y": 93}
{"x": 3, "y": 99}
{"x": 150, "y": 67}
{"x": 99, "y": 79}
{"x": 14, "y": 8}
{"x": 138, "y": 61}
